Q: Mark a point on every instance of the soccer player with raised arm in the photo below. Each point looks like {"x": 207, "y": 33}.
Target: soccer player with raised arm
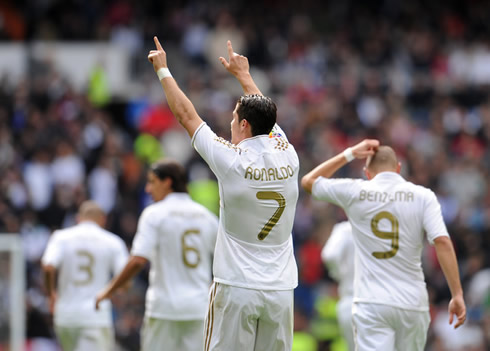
{"x": 389, "y": 217}
{"x": 83, "y": 258}
{"x": 177, "y": 236}
{"x": 251, "y": 300}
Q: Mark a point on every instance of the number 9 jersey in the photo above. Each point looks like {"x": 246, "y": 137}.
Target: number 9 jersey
{"x": 389, "y": 216}
{"x": 258, "y": 186}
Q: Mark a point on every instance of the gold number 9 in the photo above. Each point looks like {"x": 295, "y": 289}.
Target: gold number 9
{"x": 393, "y": 235}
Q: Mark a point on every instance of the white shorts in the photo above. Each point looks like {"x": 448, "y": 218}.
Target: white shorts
{"x": 344, "y": 316}
{"x": 83, "y": 338}
{"x": 382, "y": 327}
{"x": 242, "y": 319}
{"x": 163, "y": 334}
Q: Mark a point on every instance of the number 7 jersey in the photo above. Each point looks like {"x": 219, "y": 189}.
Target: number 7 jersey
{"x": 258, "y": 186}
{"x": 389, "y": 217}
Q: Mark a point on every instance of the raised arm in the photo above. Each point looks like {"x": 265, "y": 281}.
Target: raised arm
{"x": 326, "y": 169}
{"x": 179, "y": 103}
{"x": 239, "y": 67}
{"x": 447, "y": 260}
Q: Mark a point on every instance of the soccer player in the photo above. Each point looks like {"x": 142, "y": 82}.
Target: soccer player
{"x": 389, "y": 216}
{"x": 177, "y": 236}
{"x": 338, "y": 255}
{"x": 251, "y": 300}
{"x": 83, "y": 258}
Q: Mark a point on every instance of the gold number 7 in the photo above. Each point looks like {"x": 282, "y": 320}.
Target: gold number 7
{"x": 271, "y": 195}
{"x": 393, "y": 235}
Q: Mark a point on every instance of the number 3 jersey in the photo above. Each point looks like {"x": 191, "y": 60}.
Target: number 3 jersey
{"x": 177, "y": 236}
{"x": 258, "y": 186}
{"x": 85, "y": 256}
{"x": 388, "y": 216}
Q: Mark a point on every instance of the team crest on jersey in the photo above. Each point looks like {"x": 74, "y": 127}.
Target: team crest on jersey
{"x": 274, "y": 134}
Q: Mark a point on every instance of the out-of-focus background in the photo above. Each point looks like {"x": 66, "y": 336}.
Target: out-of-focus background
{"x": 82, "y": 114}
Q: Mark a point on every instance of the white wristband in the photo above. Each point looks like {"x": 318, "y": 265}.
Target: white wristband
{"x": 163, "y": 72}
{"x": 349, "y": 156}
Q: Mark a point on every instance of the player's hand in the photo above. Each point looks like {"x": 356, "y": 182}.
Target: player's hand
{"x": 100, "y": 297}
{"x": 365, "y": 148}
{"x": 158, "y": 57}
{"x": 237, "y": 64}
{"x": 457, "y": 308}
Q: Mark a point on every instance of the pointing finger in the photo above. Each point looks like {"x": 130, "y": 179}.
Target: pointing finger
{"x": 230, "y": 49}
{"x": 157, "y": 43}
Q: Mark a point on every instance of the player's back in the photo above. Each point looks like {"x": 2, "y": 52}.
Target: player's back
{"x": 86, "y": 256}
{"x": 183, "y": 236}
{"x": 388, "y": 217}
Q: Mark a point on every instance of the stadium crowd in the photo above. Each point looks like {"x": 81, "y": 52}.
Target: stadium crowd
{"x": 414, "y": 75}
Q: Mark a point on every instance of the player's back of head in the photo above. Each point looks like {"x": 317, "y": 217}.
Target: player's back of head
{"x": 384, "y": 160}
{"x": 90, "y": 210}
{"x": 260, "y": 111}
{"x": 173, "y": 170}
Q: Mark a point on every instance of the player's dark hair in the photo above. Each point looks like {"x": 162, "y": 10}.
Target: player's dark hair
{"x": 260, "y": 111}
{"x": 173, "y": 170}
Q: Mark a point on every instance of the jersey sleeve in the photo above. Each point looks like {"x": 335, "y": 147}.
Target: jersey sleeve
{"x": 334, "y": 249}
{"x": 336, "y": 191}
{"x": 54, "y": 251}
{"x": 433, "y": 221}
{"x": 218, "y": 153}
{"x": 146, "y": 236}
{"x": 120, "y": 256}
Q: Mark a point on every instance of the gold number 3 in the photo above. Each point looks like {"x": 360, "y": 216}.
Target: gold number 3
{"x": 86, "y": 267}
{"x": 393, "y": 235}
{"x": 271, "y": 195}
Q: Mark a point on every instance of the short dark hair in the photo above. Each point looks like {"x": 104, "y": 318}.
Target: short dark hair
{"x": 173, "y": 170}
{"x": 260, "y": 111}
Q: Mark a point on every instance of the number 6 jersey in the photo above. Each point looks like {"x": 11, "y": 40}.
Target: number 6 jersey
{"x": 177, "y": 236}
{"x": 388, "y": 216}
{"x": 258, "y": 186}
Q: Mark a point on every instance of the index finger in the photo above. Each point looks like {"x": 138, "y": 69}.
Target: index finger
{"x": 157, "y": 43}
{"x": 230, "y": 49}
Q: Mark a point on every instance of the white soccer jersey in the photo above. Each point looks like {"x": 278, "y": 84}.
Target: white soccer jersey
{"x": 338, "y": 255}
{"x": 388, "y": 217}
{"x": 258, "y": 186}
{"x": 178, "y": 236}
{"x": 86, "y": 256}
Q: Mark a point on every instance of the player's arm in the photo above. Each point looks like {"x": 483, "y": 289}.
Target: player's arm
{"x": 326, "y": 169}
{"x": 239, "y": 67}
{"x": 447, "y": 260}
{"x": 133, "y": 267}
{"x": 179, "y": 103}
{"x": 49, "y": 275}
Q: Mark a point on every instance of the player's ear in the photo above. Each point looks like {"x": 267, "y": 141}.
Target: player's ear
{"x": 398, "y": 167}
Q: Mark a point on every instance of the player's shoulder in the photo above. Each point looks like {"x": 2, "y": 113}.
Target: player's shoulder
{"x": 344, "y": 226}
{"x": 419, "y": 189}
{"x": 204, "y": 210}
{"x": 112, "y": 238}
{"x": 64, "y": 233}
